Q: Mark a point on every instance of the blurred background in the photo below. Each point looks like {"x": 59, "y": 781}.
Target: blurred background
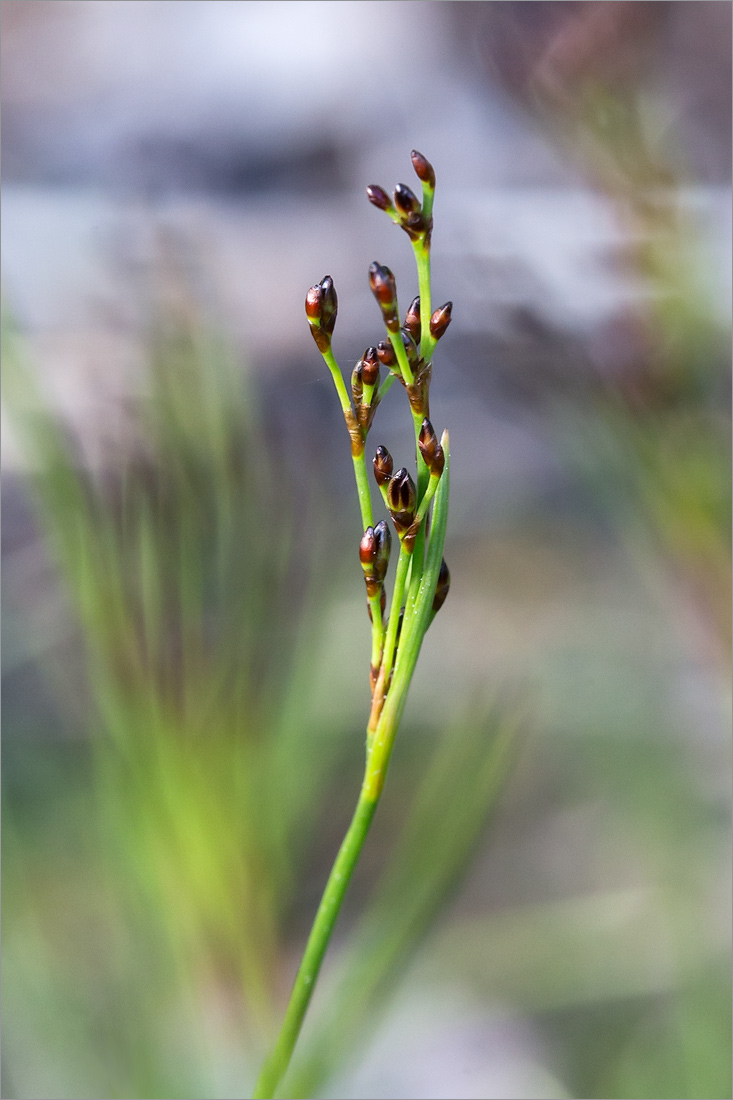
{"x": 543, "y": 909}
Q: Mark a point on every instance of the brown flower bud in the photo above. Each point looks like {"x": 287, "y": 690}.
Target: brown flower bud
{"x": 423, "y": 169}
{"x": 321, "y": 307}
{"x": 383, "y": 466}
{"x": 406, "y": 200}
{"x": 384, "y": 289}
{"x": 329, "y": 304}
{"x": 370, "y": 367}
{"x": 382, "y": 282}
{"x": 401, "y": 500}
{"x": 313, "y": 303}
{"x": 378, "y": 197}
{"x": 386, "y": 355}
{"x": 410, "y": 348}
{"x": 368, "y": 548}
{"x": 441, "y": 589}
{"x": 412, "y": 320}
{"x": 440, "y": 320}
{"x": 383, "y": 538}
{"x": 430, "y": 449}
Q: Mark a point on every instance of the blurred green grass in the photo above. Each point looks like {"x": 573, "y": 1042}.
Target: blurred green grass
{"x": 156, "y": 851}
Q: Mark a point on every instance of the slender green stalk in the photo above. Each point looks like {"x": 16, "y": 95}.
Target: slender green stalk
{"x": 305, "y": 980}
{"x": 338, "y": 379}
{"x": 399, "y": 349}
{"x": 390, "y": 641}
{"x": 422, "y": 259}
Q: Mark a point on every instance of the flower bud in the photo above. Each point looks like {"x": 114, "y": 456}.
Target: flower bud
{"x": 383, "y": 466}
{"x": 441, "y": 589}
{"x": 423, "y": 169}
{"x": 401, "y": 500}
{"x": 410, "y": 348}
{"x": 430, "y": 449}
{"x": 383, "y": 538}
{"x": 412, "y": 320}
{"x": 313, "y": 303}
{"x": 370, "y": 367}
{"x": 329, "y": 304}
{"x": 406, "y": 200}
{"x": 440, "y": 320}
{"x": 385, "y": 354}
{"x": 378, "y": 197}
{"x": 368, "y": 549}
{"x": 384, "y": 289}
{"x": 321, "y": 307}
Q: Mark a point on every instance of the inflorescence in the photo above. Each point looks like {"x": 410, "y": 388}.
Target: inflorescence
{"x": 406, "y": 356}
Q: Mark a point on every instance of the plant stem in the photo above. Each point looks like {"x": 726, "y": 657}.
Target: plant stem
{"x": 328, "y": 910}
{"x": 378, "y": 754}
{"x": 422, "y": 259}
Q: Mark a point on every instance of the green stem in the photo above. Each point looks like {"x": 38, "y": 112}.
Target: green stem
{"x": 395, "y": 340}
{"x": 362, "y": 488}
{"x": 398, "y": 592}
{"x": 386, "y": 385}
{"x": 377, "y": 760}
{"x": 328, "y": 910}
{"x": 422, "y": 259}
{"x": 338, "y": 379}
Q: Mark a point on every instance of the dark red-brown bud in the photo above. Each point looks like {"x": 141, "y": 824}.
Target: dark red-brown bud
{"x": 430, "y": 449}
{"x": 412, "y": 320}
{"x": 401, "y": 500}
{"x": 313, "y": 303}
{"x": 329, "y": 304}
{"x": 440, "y": 320}
{"x": 368, "y": 549}
{"x": 423, "y": 169}
{"x": 382, "y": 282}
{"x": 378, "y": 197}
{"x": 383, "y": 466}
{"x": 370, "y": 367}
{"x": 386, "y": 355}
{"x": 321, "y": 307}
{"x": 441, "y": 589}
{"x": 384, "y": 289}
{"x": 406, "y": 200}
{"x": 383, "y": 538}
{"x": 410, "y": 347}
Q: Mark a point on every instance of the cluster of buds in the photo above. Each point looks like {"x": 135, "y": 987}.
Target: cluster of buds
{"x": 404, "y": 208}
{"x": 321, "y": 307}
{"x": 406, "y": 353}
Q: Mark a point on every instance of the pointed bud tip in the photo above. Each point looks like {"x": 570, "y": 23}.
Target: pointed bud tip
{"x": 378, "y": 196}
{"x": 423, "y": 169}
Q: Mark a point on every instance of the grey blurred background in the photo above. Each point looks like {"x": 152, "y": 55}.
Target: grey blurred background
{"x": 208, "y": 160}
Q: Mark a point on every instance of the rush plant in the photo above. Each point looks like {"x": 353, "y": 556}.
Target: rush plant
{"x": 418, "y": 509}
